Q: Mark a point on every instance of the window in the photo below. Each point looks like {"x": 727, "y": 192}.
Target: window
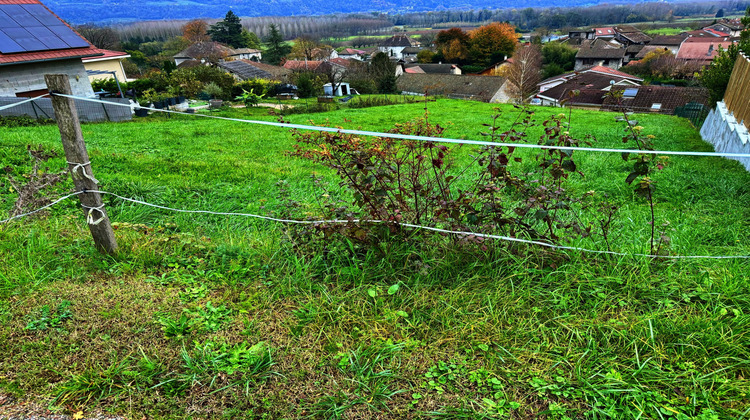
{"x": 630, "y": 93}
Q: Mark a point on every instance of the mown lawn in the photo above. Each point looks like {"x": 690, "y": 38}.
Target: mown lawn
{"x": 204, "y": 316}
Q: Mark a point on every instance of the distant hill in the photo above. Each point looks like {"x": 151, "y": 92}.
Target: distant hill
{"x": 109, "y": 11}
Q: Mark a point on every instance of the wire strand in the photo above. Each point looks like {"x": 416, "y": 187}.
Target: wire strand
{"x": 427, "y": 138}
{"x": 9, "y": 106}
{"x": 414, "y": 226}
{"x": 41, "y": 208}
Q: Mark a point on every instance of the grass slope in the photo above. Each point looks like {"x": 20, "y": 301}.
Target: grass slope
{"x": 211, "y": 316}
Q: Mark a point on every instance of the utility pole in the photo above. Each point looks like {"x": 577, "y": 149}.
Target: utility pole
{"x": 79, "y": 164}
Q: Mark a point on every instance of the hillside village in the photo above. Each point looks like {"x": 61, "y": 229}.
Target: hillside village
{"x": 597, "y": 59}
{"x": 476, "y": 220}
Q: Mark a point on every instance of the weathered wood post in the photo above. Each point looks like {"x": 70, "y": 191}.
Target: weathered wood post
{"x": 79, "y": 164}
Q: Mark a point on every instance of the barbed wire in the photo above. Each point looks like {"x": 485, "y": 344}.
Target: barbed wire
{"x": 425, "y": 138}
{"x": 409, "y": 225}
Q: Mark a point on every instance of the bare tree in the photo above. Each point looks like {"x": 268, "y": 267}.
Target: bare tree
{"x": 102, "y": 37}
{"x": 523, "y": 72}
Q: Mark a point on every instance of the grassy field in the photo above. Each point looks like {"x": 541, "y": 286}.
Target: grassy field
{"x": 667, "y": 31}
{"x": 206, "y": 316}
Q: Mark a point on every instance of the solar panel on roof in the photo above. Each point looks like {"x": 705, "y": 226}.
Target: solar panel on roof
{"x": 44, "y": 16}
{"x": 20, "y": 15}
{"x": 66, "y": 34}
{"x": 7, "y": 45}
{"x": 7, "y": 22}
{"x": 25, "y": 39}
{"x": 32, "y": 27}
{"x": 49, "y": 39}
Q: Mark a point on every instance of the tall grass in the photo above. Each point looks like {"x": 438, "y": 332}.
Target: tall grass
{"x": 425, "y": 329}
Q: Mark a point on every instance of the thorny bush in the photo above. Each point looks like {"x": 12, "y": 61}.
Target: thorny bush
{"x": 396, "y": 183}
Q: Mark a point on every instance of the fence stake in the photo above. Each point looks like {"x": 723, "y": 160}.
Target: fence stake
{"x": 79, "y": 167}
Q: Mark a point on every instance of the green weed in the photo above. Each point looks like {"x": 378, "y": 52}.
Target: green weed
{"x": 47, "y": 318}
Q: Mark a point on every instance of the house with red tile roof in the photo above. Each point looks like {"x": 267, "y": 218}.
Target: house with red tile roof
{"x": 106, "y": 66}
{"x": 34, "y": 42}
{"x": 703, "y": 50}
{"x": 351, "y": 53}
{"x": 604, "y": 32}
{"x": 587, "y": 89}
{"x": 606, "y": 71}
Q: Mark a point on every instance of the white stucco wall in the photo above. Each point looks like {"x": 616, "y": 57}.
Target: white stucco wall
{"x": 726, "y": 134}
{"x": 29, "y": 77}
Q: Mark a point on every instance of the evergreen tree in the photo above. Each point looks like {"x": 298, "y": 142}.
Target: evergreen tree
{"x": 228, "y": 31}
{"x": 250, "y": 40}
{"x": 716, "y": 76}
{"x": 383, "y": 71}
{"x": 276, "y": 49}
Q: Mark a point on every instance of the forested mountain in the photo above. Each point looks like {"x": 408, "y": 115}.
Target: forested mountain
{"x": 108, "y": 11}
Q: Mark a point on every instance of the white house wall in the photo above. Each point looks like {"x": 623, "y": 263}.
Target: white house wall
{"x": 29, "y": 77}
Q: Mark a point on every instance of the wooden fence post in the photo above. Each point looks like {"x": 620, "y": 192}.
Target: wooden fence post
{"x": 78, "y": 163}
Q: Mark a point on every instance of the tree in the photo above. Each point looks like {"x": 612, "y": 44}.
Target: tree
{"x": 228, "y": 31}
{"x": 745, "y": 34}
{"x": 102, "y": 37}
{"x": 276, "y": 49}
{"x": 304, "y": 48}
{"x": 523, "y": 72}
{"x": 196, "y": 31}
{"x": 250, "y": 40}
{"x": 492, "y": 43}
{"x": 425, "y": 56}
{"x": 716, "y": 76}
{"x": 720, "y": 14}
{"x": 557, "y": 58}
{"x": 453, "y": 45}
{"x": 383, "y": 71}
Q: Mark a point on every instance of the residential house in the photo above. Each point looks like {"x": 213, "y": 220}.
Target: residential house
{"x": 278, "y": 73}
{"x": 245, "y": 54}
{"x": 604, "y": 32}
{"x": 34, "y": 42}
{"x": 351, "y": 54}
{"x": 595, "y": 54}
{"x": 669, "y": 42}
{"x": 578, "y": 34}
{"x": 731, "y": 27}
{"x": 707, "y": 33}
{"x": 368, "y": 53}
{"x": 562, "y": 78}
{"x": 409, "y": 54}
{"x": 657, "y": 99}
{"x": 646, "y": 50}
{"x": 242, "y": 70}
{"x": 702, "y": 50}
{"x": 106, "y": 66}
{"x": 334, "y": 68}
{"x": 431, "y": 68}
{"x": 324, "y": 53}
{"x": 395, "y": 45}
{"x": 214, "y": 52}
{"x": 479, "y": 88}
{"x": 630, "y": 35}
{"x": 586, "y": 89}
{"x": 302, "y": 65}
{"x": 495, "y": 69}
